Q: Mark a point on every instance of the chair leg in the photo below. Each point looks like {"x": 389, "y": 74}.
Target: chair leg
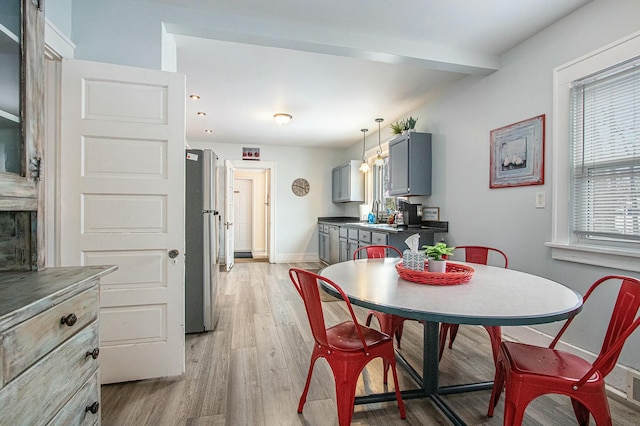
{"x": 581, "y": 412}
{"x": 444, "y": 329}
{"x": 498, "y": 386}
{"x": 395, "y": 383}
{"x": 495, "y": 335}
{"x": 346, "y": 380}
{"x": 303, "y": 397}
{"x": 398, "y": 333}
{"x": 453, "y": 332}
{"x": 600, "y": 411}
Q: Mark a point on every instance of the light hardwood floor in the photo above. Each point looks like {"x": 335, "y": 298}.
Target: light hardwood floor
{"x": 251, "y": 370}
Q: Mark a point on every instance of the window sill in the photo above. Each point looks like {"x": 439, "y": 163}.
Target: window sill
{"x": 595, "y": 255}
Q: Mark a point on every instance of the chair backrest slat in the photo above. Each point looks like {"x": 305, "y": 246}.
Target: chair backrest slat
{"x": 376, "y": 251}
{"x": 308, "y": 285}
{"x": 480, "y": 254}
{"x": 624, "y": 314}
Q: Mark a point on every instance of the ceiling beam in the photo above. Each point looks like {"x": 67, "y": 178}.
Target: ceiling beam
{"x": 356, "y": 46}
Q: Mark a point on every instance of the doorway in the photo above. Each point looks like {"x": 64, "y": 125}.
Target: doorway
{"x": 252, "y": 213}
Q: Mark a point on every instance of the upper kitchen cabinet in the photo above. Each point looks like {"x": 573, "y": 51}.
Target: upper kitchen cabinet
{"x": 21, "y": 132}
{"x": 410, "y": 165}
{"x": 347, "y": 183}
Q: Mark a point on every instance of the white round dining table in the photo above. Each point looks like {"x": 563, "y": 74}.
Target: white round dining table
{"x": 494, "y": 296}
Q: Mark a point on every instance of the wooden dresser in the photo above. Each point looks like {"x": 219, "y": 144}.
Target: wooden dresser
{"x": 49, "y": 346}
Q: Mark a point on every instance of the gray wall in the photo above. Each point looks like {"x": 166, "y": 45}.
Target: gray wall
{"x": 460, "y": 121}
{"x": 507, "y": 218}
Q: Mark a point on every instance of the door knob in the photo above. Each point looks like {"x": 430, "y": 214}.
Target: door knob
{"x": 173, "y": 253}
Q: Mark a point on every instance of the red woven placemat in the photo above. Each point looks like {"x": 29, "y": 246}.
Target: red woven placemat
{"x": 455, "y": 274}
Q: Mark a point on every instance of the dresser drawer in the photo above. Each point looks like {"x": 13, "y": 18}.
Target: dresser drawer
{"x": 27, "y": 342}
{"x": 76, "y": 412}
{"x": 40, "y": 392}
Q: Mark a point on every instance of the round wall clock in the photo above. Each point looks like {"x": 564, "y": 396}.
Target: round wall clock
{"x": 300, "y": 187}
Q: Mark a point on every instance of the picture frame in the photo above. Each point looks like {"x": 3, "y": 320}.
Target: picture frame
{"x": 431, "y": 213}
{"x": 517, "y": 154}
{"x": 251, "y": 154}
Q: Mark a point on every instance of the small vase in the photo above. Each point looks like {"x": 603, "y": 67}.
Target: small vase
{"x": 437, "y": 265}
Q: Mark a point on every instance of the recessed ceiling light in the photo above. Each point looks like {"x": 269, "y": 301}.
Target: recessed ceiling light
{"x": 208, "y": 131}
{"x": 202, "y": 113}
{"x": 282, "y": 118}
{"x": 195, "y": 97}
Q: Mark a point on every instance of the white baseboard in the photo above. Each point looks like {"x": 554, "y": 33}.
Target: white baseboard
{"x": 616, "y": 381}
{"x": 296, "y": 257}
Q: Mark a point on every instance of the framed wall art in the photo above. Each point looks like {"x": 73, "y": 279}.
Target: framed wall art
{"x": 517, "y": 154}
{"x": 431, "y": 213}
{"x": 250, "y": 153}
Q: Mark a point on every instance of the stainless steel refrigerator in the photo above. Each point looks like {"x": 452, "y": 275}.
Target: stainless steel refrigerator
{"x": 202, "y": 224}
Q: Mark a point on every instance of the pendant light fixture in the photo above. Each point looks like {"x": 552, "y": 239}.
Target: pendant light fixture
{"x": 364, "y": 167}
{"x": 379, "y": 161}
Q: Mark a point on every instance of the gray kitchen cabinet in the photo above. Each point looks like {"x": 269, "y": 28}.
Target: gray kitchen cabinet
{"x": 352, "y": 242}
{"x": 344, "y": 246}
{"x": 21, "y": 135}
{"x": 328, "y": 243}
{"x": 347, "y": 183}
{"x": 410, "y": 165}
{"x": 379, "y": 238}
{"x": 323, "y": 242}
{"x": 334, "y": 244}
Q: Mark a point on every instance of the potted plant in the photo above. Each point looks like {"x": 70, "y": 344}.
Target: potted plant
{"x": 434, "y": 253}
{"x": 404, "y": 125}
{"x": 397, "y": 127}
{"x": 410, "y": 123}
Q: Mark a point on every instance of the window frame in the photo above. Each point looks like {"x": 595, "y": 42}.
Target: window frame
{"x": 563, "y": 245}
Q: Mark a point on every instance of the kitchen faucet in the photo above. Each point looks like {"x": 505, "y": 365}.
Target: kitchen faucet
{"x": 376, "y": 208}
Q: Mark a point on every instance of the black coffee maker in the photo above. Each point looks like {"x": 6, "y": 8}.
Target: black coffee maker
{"x": 411, "y": 213}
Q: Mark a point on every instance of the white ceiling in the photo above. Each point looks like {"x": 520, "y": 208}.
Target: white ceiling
{"x": 337, "y": 65}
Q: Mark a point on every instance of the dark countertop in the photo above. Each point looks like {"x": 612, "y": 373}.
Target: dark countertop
{"x": 352, "y": 222}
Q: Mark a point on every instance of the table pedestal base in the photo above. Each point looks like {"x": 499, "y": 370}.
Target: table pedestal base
{"x": 428, "y": 382}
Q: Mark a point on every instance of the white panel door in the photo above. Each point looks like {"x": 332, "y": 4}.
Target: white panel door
{"x": 228, "y": 215}
{"x": 243, "y": 217}
{"x": 122, "y": 198}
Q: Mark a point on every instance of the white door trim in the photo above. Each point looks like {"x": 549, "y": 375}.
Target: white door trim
{"x": 272, "y": 196}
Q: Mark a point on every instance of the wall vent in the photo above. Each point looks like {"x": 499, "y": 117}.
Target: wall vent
{"x": 633, "y": 387}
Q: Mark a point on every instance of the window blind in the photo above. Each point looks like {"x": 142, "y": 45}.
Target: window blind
{"x": 605, "y": 157}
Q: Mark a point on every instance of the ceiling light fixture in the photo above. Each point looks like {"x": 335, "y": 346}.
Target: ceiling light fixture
{"x": 379, "y": 161}
{"x": 194, "y": 97}
{"x": 282, "y": 118}
{"x": 202, "y": 113}
{"x": 208, "y": 131}
{"x": 364, "y": 167}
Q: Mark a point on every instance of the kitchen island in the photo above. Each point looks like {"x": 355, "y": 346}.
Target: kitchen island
{"x": 339, "y": 237}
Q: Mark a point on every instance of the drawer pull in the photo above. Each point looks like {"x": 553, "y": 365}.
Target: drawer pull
{"x": 93, "y": 354}
{"x": 93, "y": 407}
{"x": 69, "y": 319}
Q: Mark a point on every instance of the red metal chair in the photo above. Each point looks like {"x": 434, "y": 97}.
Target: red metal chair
{"x": 531, "y": 371}
{"x": 389, "y": 324}
{"x": 480, "y": 255}
{"x": 348, "y": 347}
{"x": 376, "y": 251}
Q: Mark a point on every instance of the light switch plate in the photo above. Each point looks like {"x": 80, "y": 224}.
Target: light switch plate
{"x": 540, "y": 200}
